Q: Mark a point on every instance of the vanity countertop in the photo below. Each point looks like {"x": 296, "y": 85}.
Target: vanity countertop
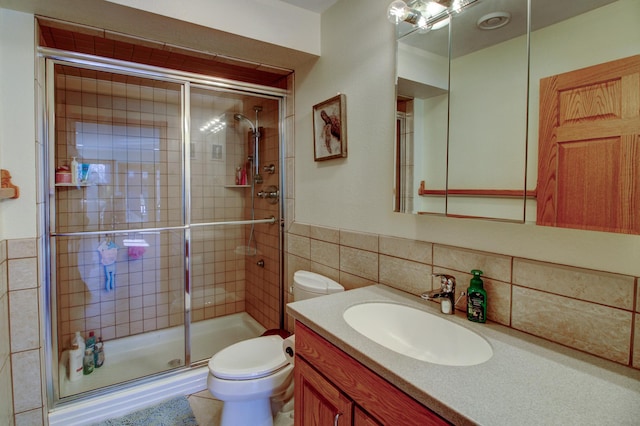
{"x": 527, "y": 381}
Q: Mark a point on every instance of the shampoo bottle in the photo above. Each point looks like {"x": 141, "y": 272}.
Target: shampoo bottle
{"x": 91, "y": 341}
{"x": 98, "y": 353}
{"x": 75, "y": 363}
{"x": 75, "y": 171}
{"x": 476, "y": 298}
{"x": 77, "y": 339}
{"x": 87, "y": 362}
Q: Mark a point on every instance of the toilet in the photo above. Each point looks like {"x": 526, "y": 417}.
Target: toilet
{"x": 251, "y": 376}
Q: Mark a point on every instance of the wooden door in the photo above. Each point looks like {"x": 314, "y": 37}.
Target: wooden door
{"x": 589, "y": 148}
{"x": 317, "y": 401}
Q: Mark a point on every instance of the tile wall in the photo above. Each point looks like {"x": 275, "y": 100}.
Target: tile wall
{"x": 592, "y": 311}
{"x": 148, "y": 292}
{"x": 131, "y": 127}
{"x": 263, "y": 283}
{"x": 6, "y": 395}
{"x": 21, "y": 345}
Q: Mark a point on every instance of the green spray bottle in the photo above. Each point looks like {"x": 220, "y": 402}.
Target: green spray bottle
{"x": 476, "y": 298}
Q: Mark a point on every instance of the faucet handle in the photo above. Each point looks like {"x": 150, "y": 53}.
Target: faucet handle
{"x": 448, "y": 282}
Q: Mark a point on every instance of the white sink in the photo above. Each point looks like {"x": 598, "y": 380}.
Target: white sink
{"x": 418, "y": 334}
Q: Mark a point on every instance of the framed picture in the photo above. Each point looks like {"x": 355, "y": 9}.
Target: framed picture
{"x": 330, "y": 128}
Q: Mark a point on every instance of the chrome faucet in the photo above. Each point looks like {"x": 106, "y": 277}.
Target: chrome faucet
{"x": 446, "y": 294}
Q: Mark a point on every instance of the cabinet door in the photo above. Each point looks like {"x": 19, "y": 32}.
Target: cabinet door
{"x": 360, "y": 418}
{"x": 589, "y": 148}
{"x": 317, "y": 401}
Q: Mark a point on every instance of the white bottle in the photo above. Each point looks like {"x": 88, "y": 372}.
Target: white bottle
{"x": 74, "y": 171}
{"x": 76, "y": 366}
{"x": 79, "y": 340}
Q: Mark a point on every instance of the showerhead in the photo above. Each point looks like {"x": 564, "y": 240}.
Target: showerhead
{"x": 240, "y": 117}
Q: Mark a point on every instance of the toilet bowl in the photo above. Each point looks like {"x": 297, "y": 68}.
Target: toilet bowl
{"x": 254, "y": 376}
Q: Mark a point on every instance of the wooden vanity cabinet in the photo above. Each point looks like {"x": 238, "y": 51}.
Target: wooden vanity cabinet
{"x": 332, "y": 388}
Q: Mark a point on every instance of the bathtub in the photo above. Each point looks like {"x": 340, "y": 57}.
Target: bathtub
{"x": 142, "y": 355}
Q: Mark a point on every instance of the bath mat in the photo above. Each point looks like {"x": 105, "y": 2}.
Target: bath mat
{"x": 173, "y": 412}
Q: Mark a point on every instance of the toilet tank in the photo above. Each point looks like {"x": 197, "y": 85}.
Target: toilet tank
{"x": 309, "y": 284}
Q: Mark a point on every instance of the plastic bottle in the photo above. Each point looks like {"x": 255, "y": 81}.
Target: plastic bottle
{"x": 476, "y": 298}
{"x": 91, "y": 342}
{"x": 75, "y": 171}
{"x": 79, "y": 340}
{"x": 76, "y": 366}
{"x": 88, "y": 363}
{"x": 98, "y": 353}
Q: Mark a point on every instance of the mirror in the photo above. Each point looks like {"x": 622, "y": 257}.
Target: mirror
{"x": 468, "y": 99}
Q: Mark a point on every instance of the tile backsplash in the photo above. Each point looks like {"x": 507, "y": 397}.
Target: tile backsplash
{"x": 588, "y": 310}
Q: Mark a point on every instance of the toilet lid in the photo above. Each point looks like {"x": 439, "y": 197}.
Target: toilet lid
{"x": 249, "y": 359}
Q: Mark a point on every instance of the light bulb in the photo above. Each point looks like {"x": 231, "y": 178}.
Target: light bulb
{"x": 397, "y": 11}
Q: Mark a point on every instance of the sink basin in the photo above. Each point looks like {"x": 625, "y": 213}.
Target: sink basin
{"x": 418, "y": 334}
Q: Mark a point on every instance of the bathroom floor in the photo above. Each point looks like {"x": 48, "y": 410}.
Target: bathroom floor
{"x": 206, "y": 408}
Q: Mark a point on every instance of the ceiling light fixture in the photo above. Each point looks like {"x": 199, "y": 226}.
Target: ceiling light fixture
{"x": 425, "y": 15}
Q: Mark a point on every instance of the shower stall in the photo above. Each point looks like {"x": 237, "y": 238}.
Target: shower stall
{"x": 158, "y": 242}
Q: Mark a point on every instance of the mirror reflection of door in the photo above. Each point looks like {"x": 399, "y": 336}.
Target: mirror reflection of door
{"x": 589, "y": 152}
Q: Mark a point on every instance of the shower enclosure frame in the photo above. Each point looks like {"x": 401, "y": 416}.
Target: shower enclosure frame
{"x": 46, "y": 61}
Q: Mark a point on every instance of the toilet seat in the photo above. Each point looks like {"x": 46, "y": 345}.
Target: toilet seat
{"x": 249, "y": 359}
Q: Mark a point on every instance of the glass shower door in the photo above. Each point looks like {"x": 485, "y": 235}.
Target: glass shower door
{"x": 234, "y": 266}
{"x": 117, "y": 226}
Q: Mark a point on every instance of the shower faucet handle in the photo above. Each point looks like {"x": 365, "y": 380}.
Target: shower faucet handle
{"x": 270, "y": 193}
{"x": 271, "y": 169}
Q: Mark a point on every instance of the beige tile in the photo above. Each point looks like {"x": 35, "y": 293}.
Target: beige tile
{"x": 300, "y": 246}
{"x": 584, "y": 284}
{"x": 17, "y": 249}
{"x": 30, "y": 418}
{"x": 327, "y": 271}
{"x": 3, "y": 250}
{"x": 293, "y": 264}
{"x": 298, "y": 228}
{"x": 325, "y": 253}
{"x": 23, "y": 273}
{"x": 27, "y": 394}
{"x": 637, "y": 294}
{"x": 418, "y": 251}
{"x": 359, "y": 240}
{"x": 636, "y": 343}
{"x": 4, "y": 329}
{"x": 23, "y": 305}
{"x": 359, "y": 262}
{"x": 6, "y": 398}
{"x": 4, "y": 285}
{"x": 330, "y": 235}
{"x": 492, "y": 265}
{"x": 349, "y": 281}
{"x": 585, "y": 326}
{"x": 405, "y": 275}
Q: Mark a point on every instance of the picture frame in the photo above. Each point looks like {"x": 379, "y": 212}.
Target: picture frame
{"x": 330, "y": 128}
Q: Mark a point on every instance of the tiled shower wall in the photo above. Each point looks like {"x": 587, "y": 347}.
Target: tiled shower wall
{"x": 148, "y": 293}
{"x": 263, "y": 289}
{"x": 95, "y": 114}
{"x": 592, "y": 311}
